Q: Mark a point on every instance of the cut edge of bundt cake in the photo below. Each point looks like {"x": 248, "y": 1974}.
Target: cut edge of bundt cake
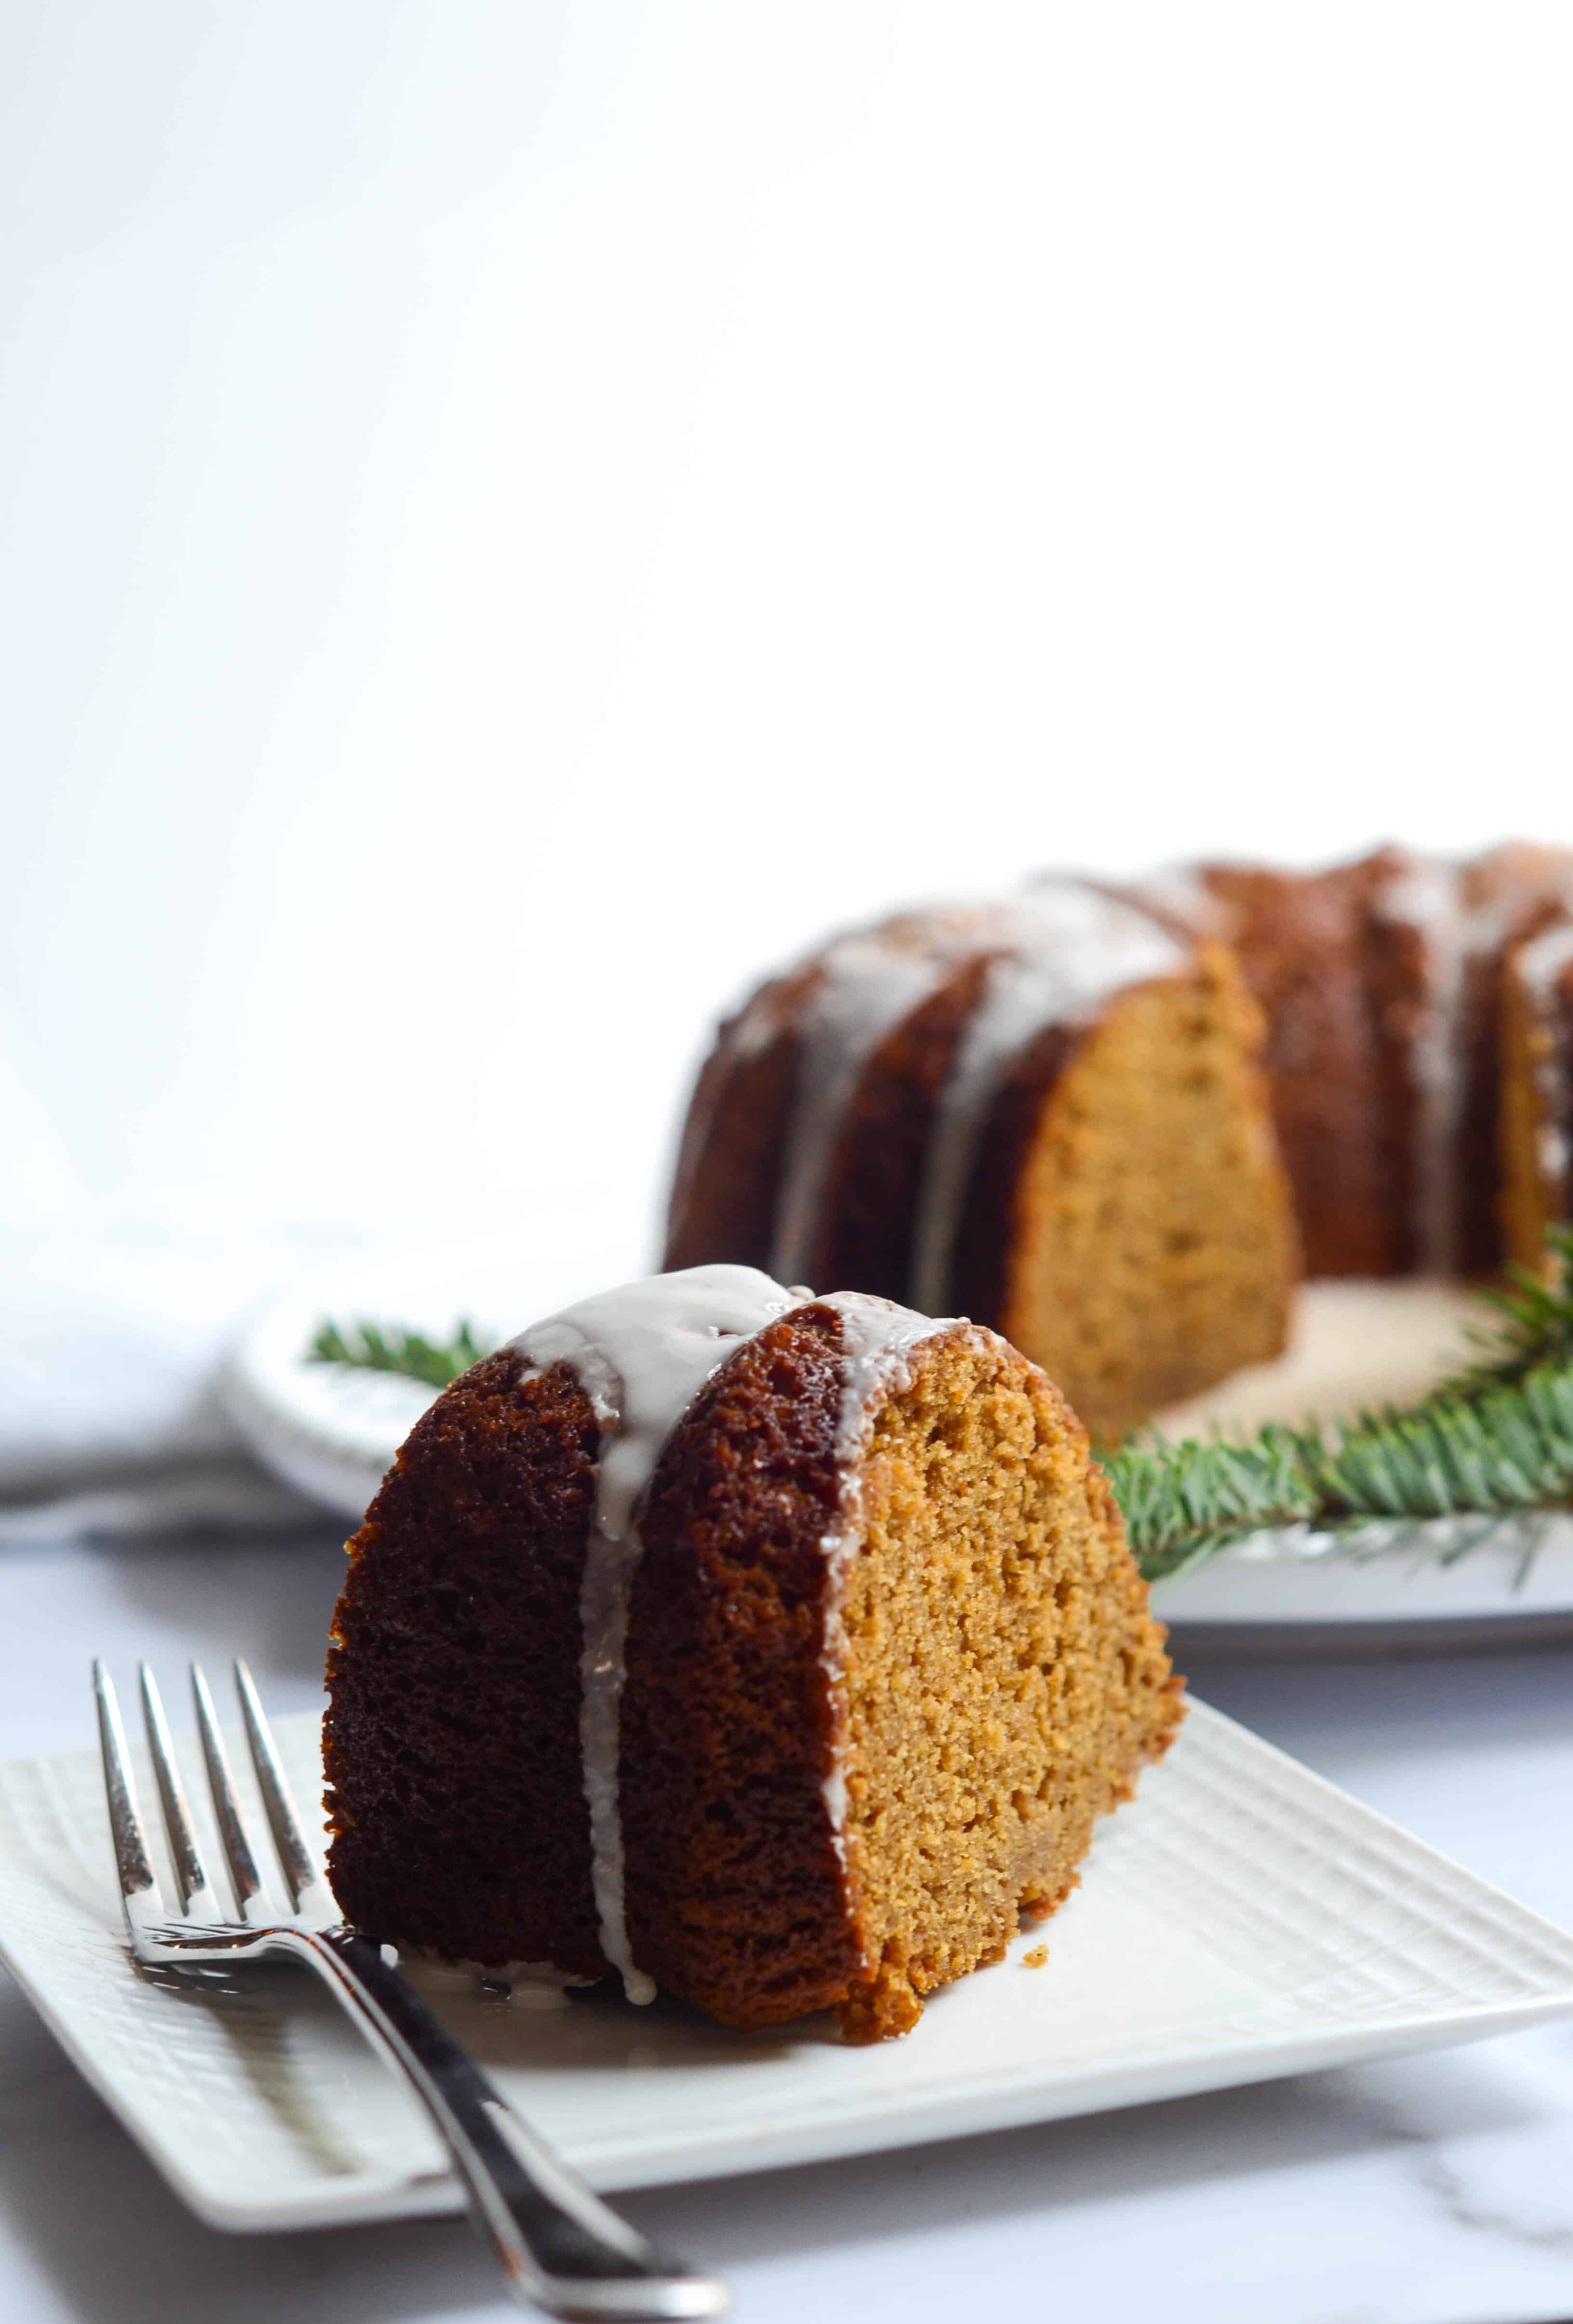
{"x": 851, "y": 1601}
{"x": 1002, "y": 1679}
{"x": 1127, "y": 1224}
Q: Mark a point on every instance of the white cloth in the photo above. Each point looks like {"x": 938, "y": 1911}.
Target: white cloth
{"x": 110, "y": 1339}
{"x": 116, "y": 1325}
{"x": 112, "y": 1327}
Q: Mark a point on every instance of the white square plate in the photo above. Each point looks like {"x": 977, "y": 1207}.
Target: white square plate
{"x": 1239, "y": 1919}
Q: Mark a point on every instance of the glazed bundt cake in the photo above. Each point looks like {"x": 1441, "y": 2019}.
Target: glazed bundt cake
{"x": 1047, "y": 1114}
{"x": 1383, "y": 985}
{"x": 777, "y": 1650}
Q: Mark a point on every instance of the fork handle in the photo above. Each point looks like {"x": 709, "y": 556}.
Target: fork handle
{"x": 560, "y": 2247}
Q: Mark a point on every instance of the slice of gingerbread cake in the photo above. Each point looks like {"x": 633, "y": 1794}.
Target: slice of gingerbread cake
{"x": 777, "y": 1650}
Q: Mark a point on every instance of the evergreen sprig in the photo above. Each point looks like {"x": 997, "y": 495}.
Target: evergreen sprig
{"x": 1496, "y": 1440}
{"x": 388, "y": 1348}
{"x": 1529, "y": 1322}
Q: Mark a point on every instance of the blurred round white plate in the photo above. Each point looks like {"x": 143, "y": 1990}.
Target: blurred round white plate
{"x": 333, "y": 1431}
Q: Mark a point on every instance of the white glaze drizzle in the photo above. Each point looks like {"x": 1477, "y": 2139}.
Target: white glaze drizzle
{"x": 1539, "y": 966}
{"x": 1458, "y": 931}
{"x": 1065, "y": 951}
{"x": 869, "y": 983}
{"x": 877, "y": 1340}
{"x": 641, "y": 1353}
{"x": 1429, "y": 896}
{"x": 1540, "y": 962}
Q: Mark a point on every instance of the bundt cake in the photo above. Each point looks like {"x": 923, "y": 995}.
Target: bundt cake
{"x": 1033, "y": 1113}
{"x": 778, "y": 1651}
{"x": 1382, "y": 981}
{"x": 1047, "y": 1114}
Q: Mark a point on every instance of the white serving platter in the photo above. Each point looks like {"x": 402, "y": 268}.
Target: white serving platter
{"x": 1240, "y": 1919}
{"x": 332, "y": 1433}
{"x": 1357, "y": 1346}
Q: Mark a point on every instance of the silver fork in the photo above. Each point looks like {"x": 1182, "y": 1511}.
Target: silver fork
{"x": 559, "y": 2245}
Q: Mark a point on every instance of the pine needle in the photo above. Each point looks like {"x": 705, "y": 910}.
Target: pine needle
{"x": 388, "y": 1348}
{"x": 1529, "y": 1321}
{"x": 1494, "y": 1441}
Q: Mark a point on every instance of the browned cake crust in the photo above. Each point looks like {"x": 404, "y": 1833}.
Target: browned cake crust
{"x": 1536, "y": 1128}
{"x": 731, "y": 1162}
{"x": 452, "y": 1739}
{"x": 737, "y": 1898}
{"x": 1518, "y": 890}
{"x": 876, "y": 1175}
{"x": 728, "y": 1177}
{"x": 451, "y": 1745}
{"x": 1436, "y": 984}
{"x": 1360, "y": 991}
{"x": 981, "y": 1268}
{"x": 1301, "y": 940}
{"x": 1399, "y": 977}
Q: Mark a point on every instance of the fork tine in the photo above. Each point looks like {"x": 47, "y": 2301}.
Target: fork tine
{"x": 308, "y": 1890}
{"x": 185, "y": 1857}
{"x": 244, "y": 1876}
{"x": 139, "y": 1890}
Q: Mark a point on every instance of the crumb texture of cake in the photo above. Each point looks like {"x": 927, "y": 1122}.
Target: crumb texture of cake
{"x": 879, "y": 1656}
{"x": 1100, "y": 1116}
{"x": 1004, "y": 1681}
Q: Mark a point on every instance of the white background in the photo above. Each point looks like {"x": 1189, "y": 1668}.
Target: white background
{"x": 515, "y": 515}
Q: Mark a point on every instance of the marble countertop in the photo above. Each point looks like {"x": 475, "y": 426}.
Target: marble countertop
{"x": 1431, "y": 2190}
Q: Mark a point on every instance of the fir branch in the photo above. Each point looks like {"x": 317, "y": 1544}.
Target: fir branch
{"x": 1182, "y": 1502}
{"x": 1497, "y": 1440}
{"x": 1530, "y": 1322}
{"x": 388, "y": 1348}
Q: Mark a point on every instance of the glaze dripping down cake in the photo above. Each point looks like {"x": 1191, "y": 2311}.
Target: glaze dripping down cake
{"x": 1100, "y": 1116}
{"x": 1049, "y": 1114}
{"x": 777, "y": 1650}
{"x": 1537, "y": 1123}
